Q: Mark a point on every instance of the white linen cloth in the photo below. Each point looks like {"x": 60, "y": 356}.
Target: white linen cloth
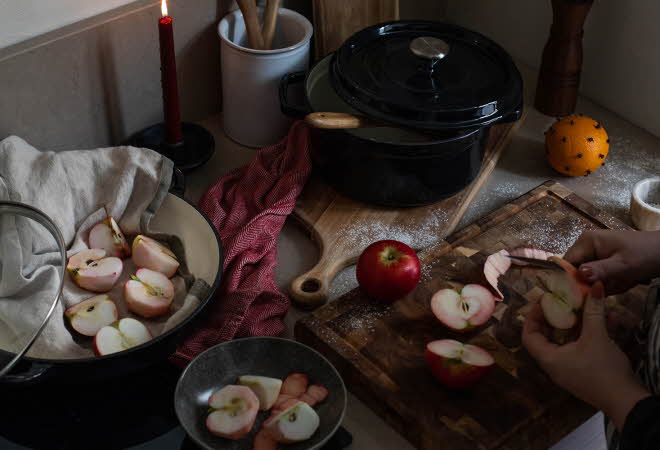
{"x": 75, "y": 189}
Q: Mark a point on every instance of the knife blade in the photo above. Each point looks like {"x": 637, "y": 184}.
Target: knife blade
{"x": 541, "y": 263}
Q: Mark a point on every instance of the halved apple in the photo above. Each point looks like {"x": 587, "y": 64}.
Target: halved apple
{"x": 233, "y": 411}
{"x": 151, "y": 254}
{"x": 89, "y": 316}
{"x": 108, "y": 236}
{"x": 92, "y": 270}
{"x": 457, "y": 365}
{"x": 148, "y": 293}
{"x": 463, "y": 310}
{"x": 564, "y": 294}
{"x": 265, "y": 388}
{"x": 120, "y": 336}
{"x": 295, "y": 424}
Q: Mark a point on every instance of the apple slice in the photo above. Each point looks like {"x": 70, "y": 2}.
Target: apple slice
{"x": 457, "y": 365}
{"x": 151, "y": 254}
{"x": 295, "y": 424}
{"x": 108, "y": 236}
{"x": 233, "y": 411}
{"x": 148, "y": 293}
{"x": 495, "y": 266}
{"x": 464, "y": 310}
{"x": 266, "y": 389}
{"x": 92, "y": 270}
{"x": 89, "y": 316}
{"x": 120, "y": 336}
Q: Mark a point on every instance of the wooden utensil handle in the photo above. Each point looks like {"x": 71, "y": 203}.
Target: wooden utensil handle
{"x": 270, "y": 20}
{"x": 252, "y": 26}
{"x": 559, "y": 76}
{"x": 310, "y": 290}
{"x": 338, "y": 121}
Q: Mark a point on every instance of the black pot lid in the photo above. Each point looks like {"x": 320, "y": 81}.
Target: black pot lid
{"x": 32, "y": 267}
{"x": 427, "y": 75}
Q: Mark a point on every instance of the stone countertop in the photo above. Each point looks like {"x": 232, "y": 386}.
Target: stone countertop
{"x": 634, "y": 155}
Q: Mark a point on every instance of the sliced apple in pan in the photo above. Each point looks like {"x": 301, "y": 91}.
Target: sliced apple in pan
{"x": 108, "y": 236}
{"x": 89, "y": 316}
{"x": 120, "y": 336}
{"x": 151, "y": 254}
{"x": 457, "y": 365}
{"x": 233, "y": 410}
{"x": 93, "y": 270}
{"x": 265, "y": 388}
{"x": 463, "y": 310}
{"x": 295, "y": 424}
{"x": 148, "y": 293}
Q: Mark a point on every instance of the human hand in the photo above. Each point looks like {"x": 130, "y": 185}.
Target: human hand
{"x": 620, "y": 259}
{"x": 592, "y": 368}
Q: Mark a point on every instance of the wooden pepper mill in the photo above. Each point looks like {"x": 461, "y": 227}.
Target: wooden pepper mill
{"x": 559, "y": 77}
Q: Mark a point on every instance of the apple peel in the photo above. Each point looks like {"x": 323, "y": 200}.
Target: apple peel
{"x": 495, "y": 266}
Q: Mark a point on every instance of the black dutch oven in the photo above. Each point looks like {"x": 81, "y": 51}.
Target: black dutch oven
{"x": 176, "y": 216}
{"x": 440, "y": 86}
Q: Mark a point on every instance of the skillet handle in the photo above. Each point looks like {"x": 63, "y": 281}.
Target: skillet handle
{"x": 293, "y": 111}
{"x": 32, "y": 374}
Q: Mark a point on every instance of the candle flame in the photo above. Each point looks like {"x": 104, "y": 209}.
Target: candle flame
{"x": 163, "y": 7}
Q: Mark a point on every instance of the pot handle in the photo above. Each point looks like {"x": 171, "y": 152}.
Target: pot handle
{"x": 294, "y": 111}
{"x": 35, "y": 371}
{"x": 512, "y": 116}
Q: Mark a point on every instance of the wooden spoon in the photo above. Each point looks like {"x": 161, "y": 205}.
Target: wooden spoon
{"x": 270, "y": 20}
{"x": 249, "y": 10}
{"x": 339, "y": 121}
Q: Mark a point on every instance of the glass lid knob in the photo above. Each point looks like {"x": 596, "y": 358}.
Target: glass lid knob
{"x": 429, "y": 47}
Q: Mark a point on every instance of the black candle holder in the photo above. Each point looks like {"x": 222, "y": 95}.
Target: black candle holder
{"x": 195, "y": 150}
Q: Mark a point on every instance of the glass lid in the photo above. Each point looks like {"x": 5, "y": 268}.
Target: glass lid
{"x": 32, "y": 264}
{"x": 427, "y": 75}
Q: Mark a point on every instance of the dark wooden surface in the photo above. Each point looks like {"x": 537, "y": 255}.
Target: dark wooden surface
{"x": 561, "y": 63}
{"x": 378, "y": 349}
{"x": 327, "y": 214}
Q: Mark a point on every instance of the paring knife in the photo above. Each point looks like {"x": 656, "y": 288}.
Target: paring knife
{"x": 541, "y": 263}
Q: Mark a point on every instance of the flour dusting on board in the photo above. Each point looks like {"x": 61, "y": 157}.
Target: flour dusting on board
{"x": 418, "y": 236}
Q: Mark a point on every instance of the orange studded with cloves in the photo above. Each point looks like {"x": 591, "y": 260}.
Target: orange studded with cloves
{"x": 576, "y": 145}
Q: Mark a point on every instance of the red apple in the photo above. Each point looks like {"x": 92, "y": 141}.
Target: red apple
{"x": 148, "y": 293}
{"x": 464, "y": 310}
{"x": 92, "y": 270}
{"x": 233, "y": 411}
{"x": 457, "y": 365}
{"x": 295, "y": 424}
{"x": 388, "y": 270}
{"x": 120, "y": 336}
{"x": 108, "y": 236}
{"x": 564, "y": 294}
{"x": 89, "y": 316}
{"x": 151, "y": 254}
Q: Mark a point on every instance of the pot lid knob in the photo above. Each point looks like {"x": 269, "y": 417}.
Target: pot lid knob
{"x": 429, "y": 47}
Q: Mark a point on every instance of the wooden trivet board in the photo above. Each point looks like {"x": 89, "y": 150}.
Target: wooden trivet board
{"x": 379, "y": 348}
{"x": 334, "y": 222}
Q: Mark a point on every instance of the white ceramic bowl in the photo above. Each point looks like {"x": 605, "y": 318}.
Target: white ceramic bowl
{"x": 645, "y": 204}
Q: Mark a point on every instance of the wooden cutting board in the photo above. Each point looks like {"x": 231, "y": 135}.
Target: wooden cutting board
{"x": 379, "y": 349}
{"x": 337, "y": 20}
{"x": 342, "y": 227}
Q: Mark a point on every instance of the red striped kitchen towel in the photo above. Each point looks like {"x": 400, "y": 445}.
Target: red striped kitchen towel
{"x": 248, "y": 207}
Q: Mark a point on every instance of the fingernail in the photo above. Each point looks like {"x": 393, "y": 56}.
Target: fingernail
{"x": 587, "y": 273}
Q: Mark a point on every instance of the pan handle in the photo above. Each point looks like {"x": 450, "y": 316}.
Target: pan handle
{"x": 294, "y": 111}
{"x": 512, "y": 116}
{"x": 34, "y": 372}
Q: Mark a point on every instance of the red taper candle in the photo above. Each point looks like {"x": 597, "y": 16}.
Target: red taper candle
{"x": 171, "y": 107}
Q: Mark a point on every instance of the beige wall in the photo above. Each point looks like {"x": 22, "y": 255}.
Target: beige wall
{"x": 621, "y": 67}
